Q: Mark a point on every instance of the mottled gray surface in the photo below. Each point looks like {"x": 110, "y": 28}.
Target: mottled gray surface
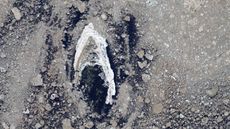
{"x": 178, "y": 74}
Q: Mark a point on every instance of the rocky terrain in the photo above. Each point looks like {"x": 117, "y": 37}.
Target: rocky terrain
{"x": 171, "y": 64}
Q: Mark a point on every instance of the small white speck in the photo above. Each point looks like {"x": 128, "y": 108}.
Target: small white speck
{"x": 214, "y": 43}
{"x": 201, "y": 28}
{"x": 167, "y": 45}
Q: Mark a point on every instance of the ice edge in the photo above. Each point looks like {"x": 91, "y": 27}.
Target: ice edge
{"x": 103, "y": 60}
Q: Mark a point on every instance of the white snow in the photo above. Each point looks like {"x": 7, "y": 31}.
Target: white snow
{"x": 102, "y": 59}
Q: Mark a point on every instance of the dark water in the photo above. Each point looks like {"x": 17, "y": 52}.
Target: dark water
{"x": 94, "y": 89}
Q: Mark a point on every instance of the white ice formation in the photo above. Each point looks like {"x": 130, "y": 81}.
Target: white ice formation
{"x": 91, "y": 51}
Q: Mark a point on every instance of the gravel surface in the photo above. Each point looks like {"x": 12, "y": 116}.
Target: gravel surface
{"x": 171, "y": 61}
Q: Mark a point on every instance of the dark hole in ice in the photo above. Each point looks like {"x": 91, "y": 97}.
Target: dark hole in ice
{"x": 94, "y": 89}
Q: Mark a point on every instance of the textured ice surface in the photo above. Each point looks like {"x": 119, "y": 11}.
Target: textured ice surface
{"x": 101, "y": 58}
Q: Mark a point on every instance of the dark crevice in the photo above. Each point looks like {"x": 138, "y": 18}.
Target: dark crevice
{"x": 67, "y": 69}
{"x": 114, "y": 56}
{"x": 125, "y": 40}
{"x": 70, "y": 73}
{"x": 67, "y": 40}
{"x": 85, "y": 0}
{"x": 118, "y": 55}
{"x": 133, "y": 37}
{"x": 132, "y": 33}
{"x": 130, "y": 29}
{"x": 74, "y": 16}
{"x": 51, "y": 50}
{"x": 118, "y": 78}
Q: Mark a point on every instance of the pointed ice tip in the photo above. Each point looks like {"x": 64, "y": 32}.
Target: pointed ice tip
{"x": 90, "y": 25}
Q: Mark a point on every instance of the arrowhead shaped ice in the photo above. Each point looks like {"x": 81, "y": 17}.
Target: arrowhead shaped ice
{"x": 102, "y": 59}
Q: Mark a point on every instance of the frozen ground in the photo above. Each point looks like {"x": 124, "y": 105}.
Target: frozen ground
{"x": 171, "y": 60}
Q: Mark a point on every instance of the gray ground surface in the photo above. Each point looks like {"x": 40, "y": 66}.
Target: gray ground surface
{"x": 171, "y": 61}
